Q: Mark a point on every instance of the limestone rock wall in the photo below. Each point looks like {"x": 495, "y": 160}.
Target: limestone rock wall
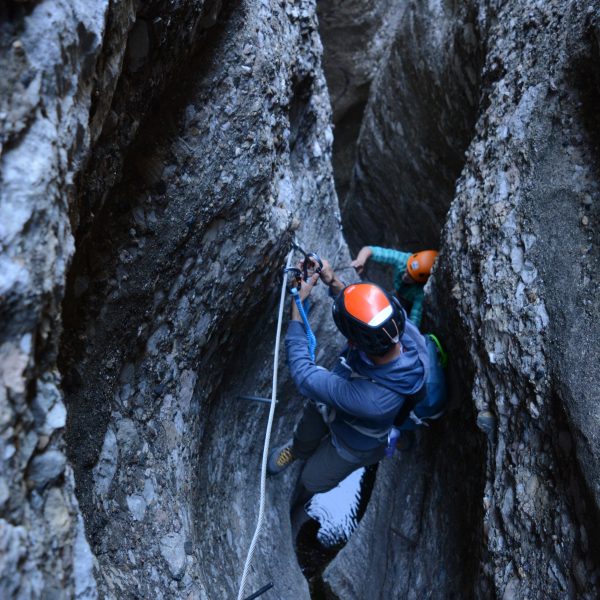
{"x": 45, "y": 103}
{"x": 356, "y": 37}
{"x": 169, "y": 154}
{"x": 156, "y": 161}
{"x": 513, "y": 297}
{"x": 521, "y": 244}
{"x": 173, "y": 291}
{"x": 420, "y": 116}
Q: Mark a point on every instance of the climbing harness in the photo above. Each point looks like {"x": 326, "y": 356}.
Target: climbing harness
{"x": 296, "y": 274}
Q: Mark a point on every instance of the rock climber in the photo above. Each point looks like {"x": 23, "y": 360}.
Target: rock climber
{"x": 379, "y": 379}
{"x": 411, "y": 272}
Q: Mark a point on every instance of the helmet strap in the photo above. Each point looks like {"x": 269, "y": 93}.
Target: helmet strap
{"x": 396, "y": 338}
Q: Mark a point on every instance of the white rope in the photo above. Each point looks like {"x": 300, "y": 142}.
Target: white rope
{"x": 263, "y": 472}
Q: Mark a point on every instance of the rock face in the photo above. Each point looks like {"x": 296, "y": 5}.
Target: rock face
{"x": 157, "y": 159}
{"x": 420, "y": 115}
{"x": 516, "y": 281}
{"x": 356, "y": 35}
{"x": 181, "y": 146}
{"x": 45, "y": 104}
{"x": 174, "y": 289}
{"x": 526, "y": 201}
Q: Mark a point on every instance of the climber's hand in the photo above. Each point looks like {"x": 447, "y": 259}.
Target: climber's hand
{"x": 307, "y": 286}
{"x": 327, "y": 273}
{"x": 358, "y": 265}
{"x": 330, "y": 279}
{"x": 361, "y": 259}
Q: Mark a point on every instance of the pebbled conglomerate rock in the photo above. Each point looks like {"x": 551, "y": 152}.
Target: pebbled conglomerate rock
{"x": 174, "y": 149}
{"x": 513, "y": 296}
{"x": 523, "y": 215}
{"x": 156, "y": 161}
{"x": 170, "y": 307}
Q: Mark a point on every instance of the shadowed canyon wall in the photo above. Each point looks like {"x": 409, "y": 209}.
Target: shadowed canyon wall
{"x": 417, "y": 124}
{"x": 172, "y": 132}
{"x": 356, "y": 36}
{"x": 423, "y": 528}
{"x": 514, "y": 296}
{"x": 157, "y": 159}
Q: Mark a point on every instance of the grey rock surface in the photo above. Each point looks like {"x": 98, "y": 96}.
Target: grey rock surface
{"x": 420, "y": 116}
{"x": 49, "y": 51}
{"x": 521, "y": 202}
{"x": 46, "y": 468}
{"x": 173, "y": 551}
{"x": 156, "y": 161}
{"x": 356, "y": 37}
{"x": 163, "y": 134}
{"x": 513, "y": 295}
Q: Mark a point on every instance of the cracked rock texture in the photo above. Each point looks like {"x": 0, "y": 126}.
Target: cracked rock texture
{"x": 356, "y": 36}
{"x": 514, "y": 296}
{"x": 416, "y": 125}
{"x": 157, "y": 161}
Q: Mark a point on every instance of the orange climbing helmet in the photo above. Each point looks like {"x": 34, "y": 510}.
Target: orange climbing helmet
{"x": 419, "y": 265}
{"x": 369, "y": 317}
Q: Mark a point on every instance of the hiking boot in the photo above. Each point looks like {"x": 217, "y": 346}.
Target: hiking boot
{"x": 280, "y": 458}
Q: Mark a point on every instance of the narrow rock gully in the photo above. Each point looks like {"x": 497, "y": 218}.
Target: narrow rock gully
{"x": 167, "y": 319}
{"x": 161, "y": 157}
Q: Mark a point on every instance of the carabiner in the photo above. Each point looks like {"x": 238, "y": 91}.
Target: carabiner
{"x": 293, "y": 282}
{"x": 307, "y": 263}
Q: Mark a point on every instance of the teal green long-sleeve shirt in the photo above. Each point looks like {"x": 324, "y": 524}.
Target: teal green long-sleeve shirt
{"x": 413, "y": 292}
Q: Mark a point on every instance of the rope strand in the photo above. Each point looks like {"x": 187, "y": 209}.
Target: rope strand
{"x": 310, "y": 336}
{"x": 265, "y": 456}
{"x": 312, "y": 344}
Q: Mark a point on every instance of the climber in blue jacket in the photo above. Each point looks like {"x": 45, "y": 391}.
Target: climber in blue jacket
{"x": 352, "y": 408}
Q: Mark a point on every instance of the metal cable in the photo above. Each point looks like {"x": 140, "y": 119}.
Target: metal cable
{"x": 263, "y": 471}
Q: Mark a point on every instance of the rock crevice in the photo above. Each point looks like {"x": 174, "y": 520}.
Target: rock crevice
{"x": 156, "y": 161}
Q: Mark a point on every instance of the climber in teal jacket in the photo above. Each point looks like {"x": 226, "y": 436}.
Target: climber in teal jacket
{"x": 411, "y": 272}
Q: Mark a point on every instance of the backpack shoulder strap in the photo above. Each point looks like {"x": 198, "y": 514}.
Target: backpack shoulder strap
{"x": 409, "y": 405}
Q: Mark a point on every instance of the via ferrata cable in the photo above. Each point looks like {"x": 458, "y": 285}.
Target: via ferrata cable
{"x": 265, "y": 456}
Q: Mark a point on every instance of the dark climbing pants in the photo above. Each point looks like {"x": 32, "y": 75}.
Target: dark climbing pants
{"x": 324, "y": 467}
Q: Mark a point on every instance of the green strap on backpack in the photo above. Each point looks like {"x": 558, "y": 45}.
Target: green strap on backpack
{"x": 442, "y": 352}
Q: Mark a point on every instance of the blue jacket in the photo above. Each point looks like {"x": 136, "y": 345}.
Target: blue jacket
{"x": 366, "y": 397}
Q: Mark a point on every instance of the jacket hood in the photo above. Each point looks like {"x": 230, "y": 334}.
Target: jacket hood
{"x": 407, "y": 373}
